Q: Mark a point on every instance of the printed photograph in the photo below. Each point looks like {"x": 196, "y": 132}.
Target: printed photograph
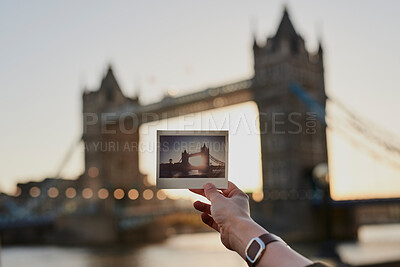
{"x": 192, "y": 156}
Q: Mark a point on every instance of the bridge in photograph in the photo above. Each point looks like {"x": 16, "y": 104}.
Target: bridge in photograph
{"x": 199, "y": 164}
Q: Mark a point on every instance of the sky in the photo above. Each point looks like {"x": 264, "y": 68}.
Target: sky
{"x": 50, "y": 52}
{"x": 172, "y": 147}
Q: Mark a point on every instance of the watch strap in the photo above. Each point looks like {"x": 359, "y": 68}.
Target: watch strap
{"x": 269, "y": 238}
{"x": 266, "y": 239}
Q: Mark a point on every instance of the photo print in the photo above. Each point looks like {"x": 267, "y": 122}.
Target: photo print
{"x": 190, "y": 159}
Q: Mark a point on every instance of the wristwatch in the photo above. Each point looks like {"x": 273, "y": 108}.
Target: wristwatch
{"x": 256, "y": 247}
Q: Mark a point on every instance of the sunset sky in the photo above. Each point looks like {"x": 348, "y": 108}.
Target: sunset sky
{"x": 50, "y": 52}
{"x": 171, "y": 147}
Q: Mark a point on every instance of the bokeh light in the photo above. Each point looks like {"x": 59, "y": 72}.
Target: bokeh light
{"x": 161, "y": 195}
{"x": 119, "y": 193}
{"x": 70, "y": 192}
{"x": 103, "y": 193}
{"x": 93, "y": 172}
{"x": 258, "y": 196}
{"x": 52, "y": 192}
{"x": 133, "y": 194}
{"x": 148, "y": 194}
{"x": 87, "y": 193}
{"x": 34, "y": 191}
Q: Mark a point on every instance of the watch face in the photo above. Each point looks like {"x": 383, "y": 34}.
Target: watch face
{"x": 253, "y": 250}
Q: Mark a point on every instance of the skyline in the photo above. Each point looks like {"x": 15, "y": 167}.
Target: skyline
{"x": 52, "y": 128}
{"x": 190, "y": 144}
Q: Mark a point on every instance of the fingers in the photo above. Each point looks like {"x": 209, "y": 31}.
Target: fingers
{"x": 231, "y": 191}
{"x": 203, "y": 207}
{"x": 231, "y": 187}
{"x": 211, "y": 192}
{"x": 207, "y": 219}
{"x": 205, "y": 216}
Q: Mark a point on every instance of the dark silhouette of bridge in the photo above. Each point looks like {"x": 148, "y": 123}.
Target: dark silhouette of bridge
{"x": 205, "y": 168}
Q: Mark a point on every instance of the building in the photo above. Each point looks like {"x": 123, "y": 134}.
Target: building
{"x": 293, "y": 141}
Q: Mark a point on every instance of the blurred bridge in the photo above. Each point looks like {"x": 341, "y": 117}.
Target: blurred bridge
{"x": 113, "y": 201}
{"x": 136, "y": 219}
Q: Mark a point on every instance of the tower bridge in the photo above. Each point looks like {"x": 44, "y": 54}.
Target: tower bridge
{"x": 204, "y": 165}
{"x": 112, "y": 196}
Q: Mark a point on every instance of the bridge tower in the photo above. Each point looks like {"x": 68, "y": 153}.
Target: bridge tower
{"x": 111, "y": 154}
{"x": 185, "y": 162}
{"x": 293, "y": 141}
{"x": 206, "y": 154}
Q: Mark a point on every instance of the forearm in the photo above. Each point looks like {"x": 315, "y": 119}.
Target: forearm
{"x": 279, "y": 254}
{"x": 276, "y": 254}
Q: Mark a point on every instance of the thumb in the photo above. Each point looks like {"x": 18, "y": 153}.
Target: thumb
{"x": 211, "y": 192}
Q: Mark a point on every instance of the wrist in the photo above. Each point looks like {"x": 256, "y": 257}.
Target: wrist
{"x": 242, "y": 230}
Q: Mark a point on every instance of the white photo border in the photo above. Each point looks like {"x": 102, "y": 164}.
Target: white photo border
{"x": 192, "y": 183}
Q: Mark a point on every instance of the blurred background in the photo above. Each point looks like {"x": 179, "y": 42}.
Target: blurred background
{"x": 306, "y": 89}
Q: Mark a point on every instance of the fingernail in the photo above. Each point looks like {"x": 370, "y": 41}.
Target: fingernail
{"x": 208, "y": 186}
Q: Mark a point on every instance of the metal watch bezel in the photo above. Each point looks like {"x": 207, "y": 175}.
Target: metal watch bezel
{"x": 260, "y": 251}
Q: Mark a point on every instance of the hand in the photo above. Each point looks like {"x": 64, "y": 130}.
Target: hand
{"x": 229, "y": 214}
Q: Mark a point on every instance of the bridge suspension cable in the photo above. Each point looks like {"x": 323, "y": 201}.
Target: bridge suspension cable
{"x": 351, "y": 123}
{"x": 369, "y": 129}
{"x": 217, "y": 161}
{"x": 68, "y": 156}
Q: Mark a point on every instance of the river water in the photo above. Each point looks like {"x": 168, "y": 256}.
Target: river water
{"x": 376, "y": 244}
{"x": 194, "y": 250}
